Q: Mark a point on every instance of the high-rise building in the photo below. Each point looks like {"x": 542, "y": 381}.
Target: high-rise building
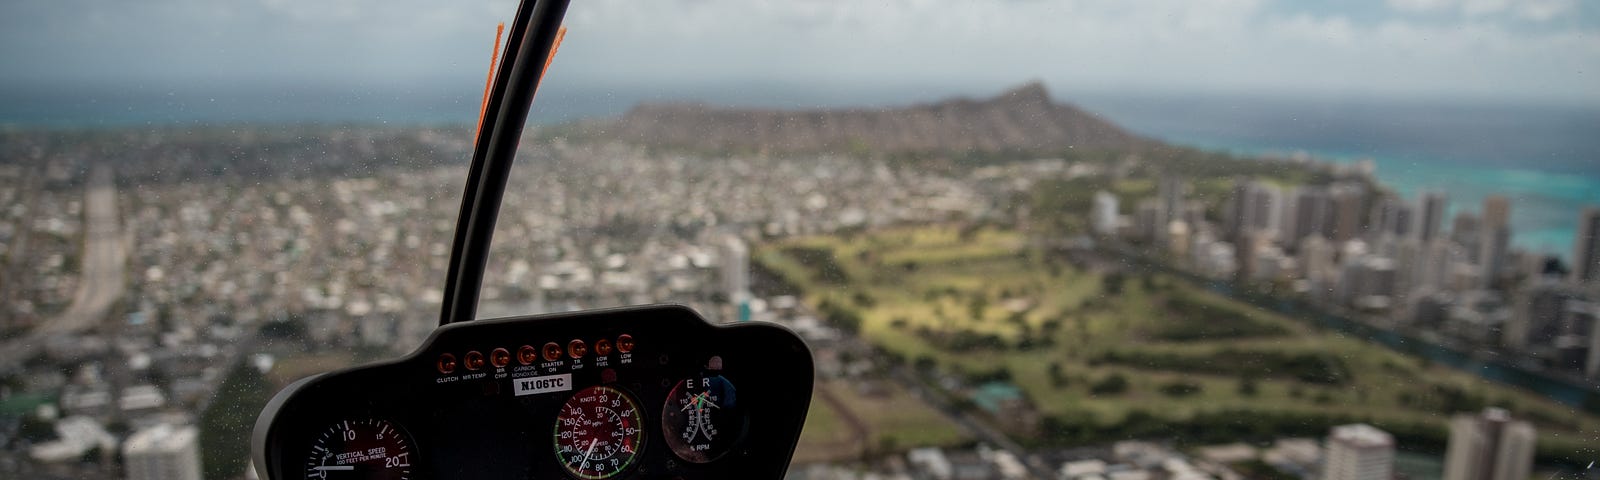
{"x": 1344, "y": 214}
{"x": 1311, "y": 206}
{"x": 1586, "y": 247}
{"x": 1367, "y": 281}
{"x": 1359, "y": 452}
{"x": 1178, "y": 236}
{"x": 1591, "y": 365}
{"x": 1407, "y": 253}
{"x": 736, "y": 275}
{"x": 1316, "y": 264}
{"x": 1172, "y": 191}
{"x": 163, "y": 452}
{"x": 1245, "y": 252}
{"x": 1465, "y": 231}
{"x": 1147, "y": 220}
{"x": 1235, "y": 213}
{"x": 1171, "y": 206}
{"x": 1104, "y": 216}
{"x": 1266, "y": 206}
{"x": 1489, "y": 446}
{"x": 1254, "y": 206}
{"x": 1392, "y": 217}
{"x": 1430, "y": 215}
{"x": 1495, "y": 237}
{"x": 1542, "y": 315}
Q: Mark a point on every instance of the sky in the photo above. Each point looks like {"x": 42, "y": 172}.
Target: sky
{"x": 1507, "y": 51}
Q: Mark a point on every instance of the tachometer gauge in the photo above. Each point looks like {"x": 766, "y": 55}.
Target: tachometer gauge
{"x": 368, "y": 449}
{"x": 598, "y": 433}
{"x": 702, "y": 419}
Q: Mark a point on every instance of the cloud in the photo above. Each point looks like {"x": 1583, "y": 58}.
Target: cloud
{"x": 1530, "y": 10}
{"x": 1420, "y": 6}
{"x": 1545, "y": 10}
{"x": 1395, "y": 47}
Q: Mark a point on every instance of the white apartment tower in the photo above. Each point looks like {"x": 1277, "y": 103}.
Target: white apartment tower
{"x": 1104, "y": 215}
{"x": 1359, "y": 452}
{"x": 163, "y": 452}
{"x": 1489, "y": 446}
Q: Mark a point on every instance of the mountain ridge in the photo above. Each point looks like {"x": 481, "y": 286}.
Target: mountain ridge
{"x": 1022, "y": 119}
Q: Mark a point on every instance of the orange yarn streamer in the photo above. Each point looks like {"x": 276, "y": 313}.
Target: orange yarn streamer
{"x": 488, "y": 84}
{"x": 494, "y": 58}
{"x": 554, "y": 47}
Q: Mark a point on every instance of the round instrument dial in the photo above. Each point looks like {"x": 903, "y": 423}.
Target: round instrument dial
{"x": 368, "y": 449}
{"x": 702, "y": 419}
{"x": 598, "y": 433}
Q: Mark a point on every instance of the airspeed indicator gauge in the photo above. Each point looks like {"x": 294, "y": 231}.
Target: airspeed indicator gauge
{"x": 598, "y": 433}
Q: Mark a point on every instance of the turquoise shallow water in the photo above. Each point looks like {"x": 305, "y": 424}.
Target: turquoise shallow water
{"x": 1544, "y": 205}
{"x": 1545, "y": 158}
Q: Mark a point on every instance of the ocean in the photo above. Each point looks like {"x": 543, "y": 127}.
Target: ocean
{"x": 1545, "y": 158}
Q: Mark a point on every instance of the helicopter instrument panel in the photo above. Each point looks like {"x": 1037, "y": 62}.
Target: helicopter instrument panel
{"x": 637, "y": 392}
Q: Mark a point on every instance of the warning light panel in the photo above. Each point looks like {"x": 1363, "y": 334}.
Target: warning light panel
{"x": 447, "y": 364}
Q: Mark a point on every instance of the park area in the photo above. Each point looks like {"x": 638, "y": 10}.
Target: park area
{"x": 1101, "y": 352}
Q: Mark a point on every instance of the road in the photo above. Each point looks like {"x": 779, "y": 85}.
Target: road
{"x": 101, "y": 278}
{"x": 975, "y": 427}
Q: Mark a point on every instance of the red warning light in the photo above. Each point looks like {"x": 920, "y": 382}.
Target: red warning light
{"x": 474, "y": 360}
{"x": 500, "y": 357}
{"x": 447, "y": 363}
{"x": 577, "y": 349}
{"x": 625, "y": 343}
{"x": 552, "y": 352}
{"x": 527, "y": 355}
{"x": 602, "y": 347}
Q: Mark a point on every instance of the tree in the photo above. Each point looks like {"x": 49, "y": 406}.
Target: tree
{"x": 1111, "y": 384}
{"x": 979, "y": 303}
{"x": 1058, "y": 379}
{"x": 1248, "y": 387}
{"x": 1111, "y": 283}
{"x": 1180, "y": 389}
{"x": 225, "y": 425}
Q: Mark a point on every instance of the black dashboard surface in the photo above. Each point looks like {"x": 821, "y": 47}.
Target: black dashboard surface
{"x": 637, "y": 392}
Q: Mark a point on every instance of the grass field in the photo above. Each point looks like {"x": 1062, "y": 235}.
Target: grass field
{"x": 886, "y": 419}
{"x": 978, "y": 301}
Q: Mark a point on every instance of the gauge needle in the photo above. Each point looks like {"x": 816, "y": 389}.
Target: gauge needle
{"x": 700, "y": 401}
{"x": 335, "y": 467}
{"x": 588, "y": 452}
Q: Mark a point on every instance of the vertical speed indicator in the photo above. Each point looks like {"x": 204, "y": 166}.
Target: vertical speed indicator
{"x": 364, "y": 448}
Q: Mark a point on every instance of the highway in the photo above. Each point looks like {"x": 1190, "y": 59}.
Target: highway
{"x": 101, "y": 278}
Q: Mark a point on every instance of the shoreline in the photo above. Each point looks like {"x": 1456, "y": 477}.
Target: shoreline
{"x": 1545, "y": 203}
